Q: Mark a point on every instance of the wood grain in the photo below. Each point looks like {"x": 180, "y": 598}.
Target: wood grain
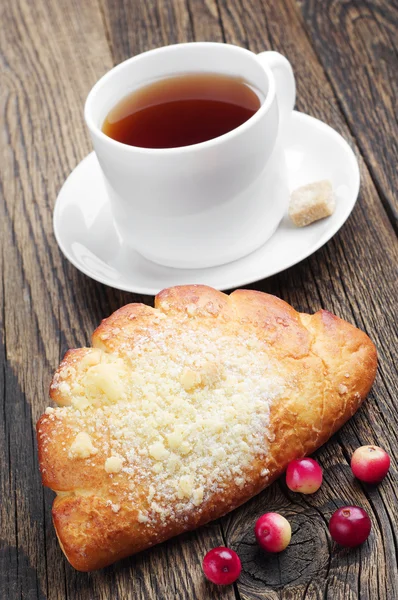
{"x": 52, "y": 53}
{"x": 357, "y": 44}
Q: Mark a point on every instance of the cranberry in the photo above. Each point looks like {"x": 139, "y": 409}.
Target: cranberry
{"x": 350, "y": 526}
{"x": 370, "y": 464}
{"x": 273, "y": 532}
{"x": 304, "y": 475}
{"x": 222, "y": 566}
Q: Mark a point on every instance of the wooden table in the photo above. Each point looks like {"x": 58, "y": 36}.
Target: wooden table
{"x": 345, "y": 58}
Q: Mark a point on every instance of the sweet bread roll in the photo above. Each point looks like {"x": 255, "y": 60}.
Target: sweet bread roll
{"x": 182, "y": 412}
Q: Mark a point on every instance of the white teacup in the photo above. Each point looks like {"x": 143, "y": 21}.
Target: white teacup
{"x": 209, "y": 203}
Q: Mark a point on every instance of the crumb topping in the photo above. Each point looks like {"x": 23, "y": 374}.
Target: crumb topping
{"x": 82, "y": 446}
{"x": 180, "y": 411}
{"x": 113, "y": 464}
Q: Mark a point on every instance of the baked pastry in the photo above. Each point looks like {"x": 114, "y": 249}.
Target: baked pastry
{"x": 182, "y": 412}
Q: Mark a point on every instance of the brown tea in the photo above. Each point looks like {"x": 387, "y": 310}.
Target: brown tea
{"x": 181, "y": 111}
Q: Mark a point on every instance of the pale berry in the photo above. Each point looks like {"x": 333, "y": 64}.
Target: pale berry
{"x": 304, "y": 475}
{"x": 350, "y": 526}
{"x": 273, "y": 532}
{"x": 370, "y": 464}
{"x": 222, "y": 566}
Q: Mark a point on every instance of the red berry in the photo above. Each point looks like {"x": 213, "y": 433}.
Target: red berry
{"x": 304, "y": 475}
{"x": 370, "y": 464}
{"x": 222, "y": 566}
{"x": 273, "y": 532}
{"x": 350, "y": 526}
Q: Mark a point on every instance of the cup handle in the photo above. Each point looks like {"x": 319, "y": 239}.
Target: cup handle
{"x": 284, "y": 80}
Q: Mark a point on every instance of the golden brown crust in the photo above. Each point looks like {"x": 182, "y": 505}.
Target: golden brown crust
{"x": 328, "y": 365}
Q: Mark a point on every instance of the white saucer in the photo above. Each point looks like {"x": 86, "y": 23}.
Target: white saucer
{"x": 84, "y": 229}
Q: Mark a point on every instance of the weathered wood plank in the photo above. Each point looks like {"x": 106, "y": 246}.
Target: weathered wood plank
{"x": 356, "y": 42}
{"x": 135, "y": 26}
